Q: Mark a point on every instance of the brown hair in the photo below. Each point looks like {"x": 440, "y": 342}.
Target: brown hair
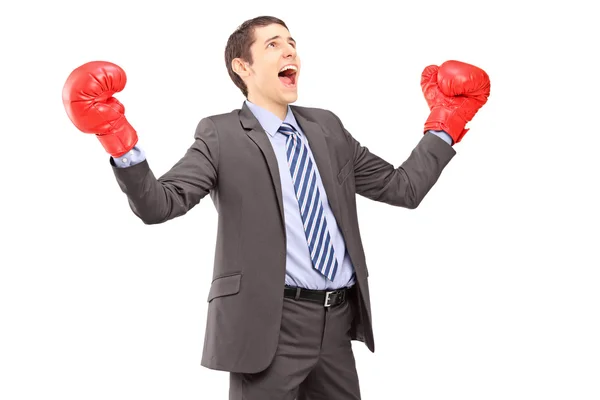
{"x": 238, "y": 46}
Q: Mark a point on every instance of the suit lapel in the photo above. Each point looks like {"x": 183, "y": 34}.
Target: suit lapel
{"x": 256, "y": 132}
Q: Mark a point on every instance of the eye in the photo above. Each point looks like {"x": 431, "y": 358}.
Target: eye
{"x": 270, "y": 44}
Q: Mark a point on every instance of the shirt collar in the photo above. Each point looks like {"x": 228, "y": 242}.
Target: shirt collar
{"x": 269, "y": 121}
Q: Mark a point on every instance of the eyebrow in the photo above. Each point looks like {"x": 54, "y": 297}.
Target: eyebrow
{"x": 279, "y": 37}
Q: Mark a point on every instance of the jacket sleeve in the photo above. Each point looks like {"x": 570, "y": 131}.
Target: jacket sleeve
{"x": 182, "y": 187}
{"x": 407, "y": 185}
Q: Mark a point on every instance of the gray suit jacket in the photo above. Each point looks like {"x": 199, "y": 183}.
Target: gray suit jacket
{"x": 233, "y": 160}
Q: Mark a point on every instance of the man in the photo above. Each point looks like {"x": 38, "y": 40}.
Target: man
{"x": 289, "y": 289}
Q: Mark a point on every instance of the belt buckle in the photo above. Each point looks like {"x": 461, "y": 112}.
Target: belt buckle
{"x": 328, "y": 297}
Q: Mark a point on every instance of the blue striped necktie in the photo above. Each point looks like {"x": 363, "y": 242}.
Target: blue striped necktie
{"x": 304, "y": 178}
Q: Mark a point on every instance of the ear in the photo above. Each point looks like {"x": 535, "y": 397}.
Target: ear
{"x": 240, "y": 67}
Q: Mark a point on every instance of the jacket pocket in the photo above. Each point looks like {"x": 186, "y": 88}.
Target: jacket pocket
{"x": 225, "y": 286}
{"x": 345, "y": 171}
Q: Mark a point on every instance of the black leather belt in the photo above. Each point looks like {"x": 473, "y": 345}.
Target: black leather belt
{"x": 328, "y": 298}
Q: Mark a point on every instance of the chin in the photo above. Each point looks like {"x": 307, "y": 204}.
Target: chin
{"x": 288, "y": 98}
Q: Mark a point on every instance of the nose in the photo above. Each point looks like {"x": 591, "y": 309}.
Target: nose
{"x": 289, "y": 51}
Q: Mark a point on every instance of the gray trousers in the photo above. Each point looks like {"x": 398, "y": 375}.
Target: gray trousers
{"x": 314, "y": 359}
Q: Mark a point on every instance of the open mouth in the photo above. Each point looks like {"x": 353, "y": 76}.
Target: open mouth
{"x": 288, "y": 78}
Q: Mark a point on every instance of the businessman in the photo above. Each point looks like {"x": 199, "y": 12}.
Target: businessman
{"x": 289, "y": 289}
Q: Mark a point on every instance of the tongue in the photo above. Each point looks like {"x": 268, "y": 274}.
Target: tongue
{"x": 286, "y": 80}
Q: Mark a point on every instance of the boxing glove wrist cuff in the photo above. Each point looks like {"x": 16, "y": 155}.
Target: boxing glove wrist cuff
{"x": 448, "y": 120}
{"x": 121, "y": 139}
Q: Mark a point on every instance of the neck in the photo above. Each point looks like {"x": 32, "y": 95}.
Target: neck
{"x": 280, "y": 110}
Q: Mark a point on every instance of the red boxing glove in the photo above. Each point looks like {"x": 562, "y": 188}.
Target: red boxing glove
{"x": 454, "y": 93}
{"x": 87, "y": 97}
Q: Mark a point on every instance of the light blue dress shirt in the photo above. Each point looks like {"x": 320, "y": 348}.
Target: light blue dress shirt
{"x": 299, "y": 267}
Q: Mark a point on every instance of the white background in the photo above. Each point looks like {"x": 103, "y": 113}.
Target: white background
{"x": 489, "y": 290}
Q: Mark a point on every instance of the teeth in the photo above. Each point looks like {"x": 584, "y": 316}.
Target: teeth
{"x": 288, "y": 67}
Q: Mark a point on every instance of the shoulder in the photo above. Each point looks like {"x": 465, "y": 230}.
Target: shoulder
{"x": 219, "y": 123}
{"x": 318, "y": 115}
{"x": 223, "y": 117}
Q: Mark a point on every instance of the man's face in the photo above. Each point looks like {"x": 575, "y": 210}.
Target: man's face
{"x": 272, "y": 50}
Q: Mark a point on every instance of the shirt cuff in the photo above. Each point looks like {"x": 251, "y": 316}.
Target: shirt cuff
{"x": 131, "y": 158}
{"x": 447, "y": 138}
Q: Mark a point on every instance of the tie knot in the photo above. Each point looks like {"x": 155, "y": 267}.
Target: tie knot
{"x": 287, "y": 129}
